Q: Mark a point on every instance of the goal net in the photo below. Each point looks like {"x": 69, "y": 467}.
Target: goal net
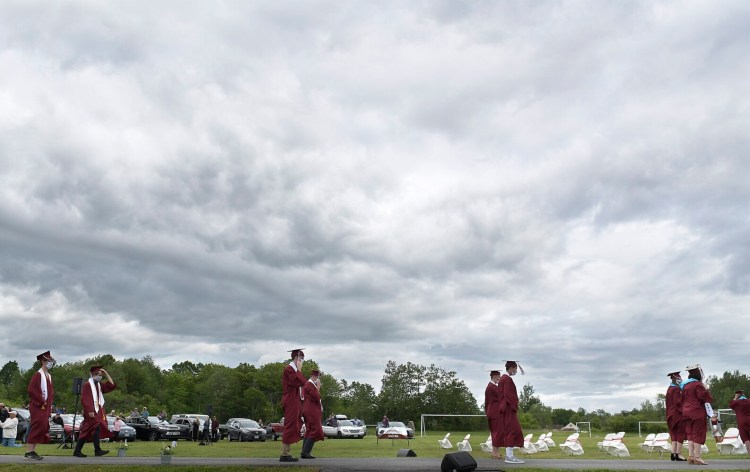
{"x": 727, "y": 417}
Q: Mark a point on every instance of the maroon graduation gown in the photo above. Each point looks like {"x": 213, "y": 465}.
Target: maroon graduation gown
{"x": 39, "y": 409}
{"x": 312, "y": 410}
{"x": 494, "y": 416}
{"x": 509, "y": 409}
{"x": 89, "y": 424}
{"x": 291, "y": 381}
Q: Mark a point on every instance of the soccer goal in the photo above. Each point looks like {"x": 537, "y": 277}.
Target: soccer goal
{"x": 727, "y": 418}
{"x": 423, "y": 423}
{"x": 585, "y": 430}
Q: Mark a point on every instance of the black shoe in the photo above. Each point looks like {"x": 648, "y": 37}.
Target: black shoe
{"x": 288, "y": 459}
{"x": 679, "y": 458}
{"x": 79, "y": 454}
{"x": 33, "y": 455}
{"x": 305, "y": 455}
{"x": 101, "y": 452}
{"x": 672, "y": 457}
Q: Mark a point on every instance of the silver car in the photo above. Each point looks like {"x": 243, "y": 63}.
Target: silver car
{"x": 343, "y": 429}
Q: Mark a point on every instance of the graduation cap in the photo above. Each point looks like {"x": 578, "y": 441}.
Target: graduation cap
{"x": 95, "y": 368}
{"x": 297, "y": 352}
{"x": 315, "y": 372}
{"x": 45, "y": 356}
{"x": 673, "y": 374}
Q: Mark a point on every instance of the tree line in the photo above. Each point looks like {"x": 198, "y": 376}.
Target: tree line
{"x": 407, "y": 391}
{"x": 246, "y": 390}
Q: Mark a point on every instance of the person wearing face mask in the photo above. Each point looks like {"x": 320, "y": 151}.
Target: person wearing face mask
{"x": 494, "y": 416}
{"x": 508, "y": 395}
{"x": 41, "y": 397}
{"x": 94, "y": 425}
{"x": 675, "y": 423}
{"x": 695, "y": 396}
{"x": 292, "y": 382}
{"x": 312, "y": 409}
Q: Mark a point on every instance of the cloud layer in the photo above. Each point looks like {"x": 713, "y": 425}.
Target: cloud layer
{"x": 434, "y": 182}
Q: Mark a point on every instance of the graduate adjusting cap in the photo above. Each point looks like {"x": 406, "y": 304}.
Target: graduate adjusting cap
{"x": 45, "y": 356}
{"x": 297, "y": 352}
{"x": 95, "y": 368}
{"x": 509, "y": 364}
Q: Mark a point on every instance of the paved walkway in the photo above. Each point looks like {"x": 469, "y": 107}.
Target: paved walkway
{"x": 398, "y": 463}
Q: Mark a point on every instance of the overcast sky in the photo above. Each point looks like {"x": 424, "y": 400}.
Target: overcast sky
{"x": 437, "y": 182}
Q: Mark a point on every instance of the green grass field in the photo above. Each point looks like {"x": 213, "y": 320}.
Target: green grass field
{"x": 424, "y": 447}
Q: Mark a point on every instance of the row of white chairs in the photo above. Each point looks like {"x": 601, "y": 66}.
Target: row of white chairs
{"x": 611, "y": 444}
{"x": 542, "y": 444}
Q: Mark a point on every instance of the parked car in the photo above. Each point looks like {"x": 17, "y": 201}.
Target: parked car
{"x": 68, "y": 423}
{"x": 56, "y": 432}
{"x": 186, "y": 426}
{"x": 244, "y": 429}
{"x": 152, "y": 428}
{"x": 395, "y": 428}
{"x": 126, "y": 432}
{"x": 275, "y": 430}
{"x": 342, "y": 429}
{"x": 360, "y": 423}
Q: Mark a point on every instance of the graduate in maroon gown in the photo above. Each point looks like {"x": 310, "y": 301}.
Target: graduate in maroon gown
{"x": 94, "y": 425}
{"x": 312, "y": 410}
{"x": 675, "y": 423}
{"x": 41, "y": 397}
{"x": 741, "y": 406}
{"x": 292, "y": 382}
{"x": 695, "y": 395}
{"x": 492, "y": 410}
{"x": 509, "y": 410}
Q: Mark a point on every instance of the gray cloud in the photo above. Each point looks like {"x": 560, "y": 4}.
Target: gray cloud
{"x": 443, "y": 183}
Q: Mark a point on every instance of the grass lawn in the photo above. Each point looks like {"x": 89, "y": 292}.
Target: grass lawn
{"x": 424, "y": 447}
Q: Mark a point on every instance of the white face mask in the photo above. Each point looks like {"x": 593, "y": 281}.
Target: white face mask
{"x": 49, "y": 364}
{"x": 97, "y": 378}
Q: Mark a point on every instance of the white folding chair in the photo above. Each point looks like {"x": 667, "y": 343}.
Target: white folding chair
{"x": 487, "y": 445}
{"x": 465, "y": 445}
{"x": 571, "y": 446}
{"x": 541, "y": 444}
{"x": 732, "y": 443}
{"x": 445, "y": 443}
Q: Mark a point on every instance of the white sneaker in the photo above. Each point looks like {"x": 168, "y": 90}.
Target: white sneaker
{"x": 513, "y": 460}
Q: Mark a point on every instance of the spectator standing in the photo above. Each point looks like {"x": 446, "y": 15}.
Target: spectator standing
{"x": 117, "y": 426}
{"x": 312, "y": 410}
{"x": 675, "y": 423}
{"x": 741, "y": 407}
{"x": 10, "y": 430}
{"x": 214, "y": 428}
{"x": 94, "y": 425}
{"x": 162, "y": 415}
{"x": 206, "y": 429}
{"x": 144, "y": 413}
{"x": 292, "y": 382}
{"x": 4, "y": 414}
{"x": 494, "y": 416}
{"x": 196, "y": 427}
{"x": 41, "y": 396}
{"x": 695, "y": 396}
{"x": 509, "y": 409}
{"x": 135, "y": 413}
{"x": 385, "y": 421}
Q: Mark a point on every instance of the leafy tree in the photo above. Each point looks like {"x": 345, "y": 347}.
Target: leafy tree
{"x": 527, "y": 399}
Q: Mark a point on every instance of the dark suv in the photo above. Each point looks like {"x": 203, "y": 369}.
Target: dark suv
{"x": 152, "y": 428}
